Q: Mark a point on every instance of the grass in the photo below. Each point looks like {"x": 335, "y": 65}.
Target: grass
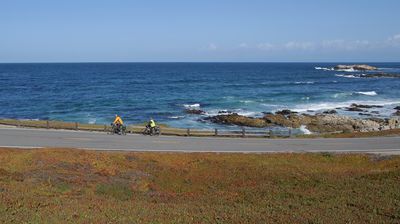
{"x": 77, "y": 186}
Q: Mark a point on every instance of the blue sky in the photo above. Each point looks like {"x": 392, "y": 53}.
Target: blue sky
{"x": 200, "y": 31}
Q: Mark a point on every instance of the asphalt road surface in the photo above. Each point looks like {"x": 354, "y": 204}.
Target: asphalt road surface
{"x": 30, "y": 138}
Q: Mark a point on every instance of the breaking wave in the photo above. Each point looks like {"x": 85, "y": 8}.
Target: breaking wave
{"x": 333, "y": 105}
{"x": 324, "y": 69}
{"x": 347, "y": 70}
{"x": 308, "y": 82}
{"x": 348, "y": 76}
{"x": 176, "y": 117}
{"x": 191, "y": 106}
{"x": 368, "y": 93}
{"x": 304, "y": 130}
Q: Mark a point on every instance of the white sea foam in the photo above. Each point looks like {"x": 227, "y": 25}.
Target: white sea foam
{"x": 333, "y": 105}
{"x": 324, "y": 69}
{"x": 190, "y": 106}
{"x": 340, "y": 95}
{"x": 368, "y": 93}
{"x": 247, "y": 113}
{"x": 347, "y": 70}
{"x": 347, "y": 76}
{"x": 305, "y": 131}
{"x": 246, "y": 101}
{"x": 176, "y": 117}
{"x": 242, "y": 112}
{"x": 308, "y": 82}
{"x": 92, "y": 120}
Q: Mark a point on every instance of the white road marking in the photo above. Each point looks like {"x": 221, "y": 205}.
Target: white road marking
{"x": 375, "y": 151}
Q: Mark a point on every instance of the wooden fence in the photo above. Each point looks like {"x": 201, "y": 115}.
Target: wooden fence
{"x": 240, "y": 132}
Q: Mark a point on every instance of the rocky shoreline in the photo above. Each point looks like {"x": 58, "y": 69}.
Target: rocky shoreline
{"x": 326, "y": 122}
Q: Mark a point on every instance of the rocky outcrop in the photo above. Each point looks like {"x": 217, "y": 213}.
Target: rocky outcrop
{"x": 320, "y": 123}
{"x": 355, "y": 109}
{"x": 236, "y": 119}
{"x": 392, "y": 123}
{"x": 356, "y": 67}
{"x": 195, "y": 111}
{"x": 285, "y": 112}
{"x": 365, "y": 106}
{"x": 361, "y": 107}
{"x": 340, "y": 123}
{"x": 330, "y": 112}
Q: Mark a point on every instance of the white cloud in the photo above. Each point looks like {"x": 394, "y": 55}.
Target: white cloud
{"x": 243, "y": 45}
{"x": 347, "y": 45}
{"x": 327, "y": 45}
{"x": 394, "y": 41}
{"x": 212, "y": 47}
{"x": 395, "y": 37}
{"x": 266, "y": 46}
{"x": 293, "y": 45}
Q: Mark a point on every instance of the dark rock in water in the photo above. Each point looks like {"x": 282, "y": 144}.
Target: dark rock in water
{"x": 225, "y": 112}
{"x": 356, "y": 67}
{"x": 355, "y": 109}
{"x": 330, "y": 112}
{"x": 397, "y": 113}
{"x": 310, "y": 111}
{"x": 194, "y": 111}
{"x": 201, "y": 120}
{"x": 397, "y": 108}
{"x": 285, "y": 112}
{"x": 364, "y": 114}
{"x": 265, "y": 113}
{"x": 373, "y": 75}
{"x": 365, "y": 106}
{"x": 380, "y": 75}
{"x": 338, "y": 108}
{"x": 374, "y": 112}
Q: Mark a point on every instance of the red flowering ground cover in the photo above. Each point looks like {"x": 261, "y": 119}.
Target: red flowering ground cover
{"x": 77, "y": 186}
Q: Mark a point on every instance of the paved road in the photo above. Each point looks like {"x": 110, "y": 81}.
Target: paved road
{"x": 20, "y": 137}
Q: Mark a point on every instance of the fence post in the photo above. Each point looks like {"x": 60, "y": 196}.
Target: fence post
{"x": 290, "y": 132}
{"x": 105, "y": 127}
{"x": 188, "y": 132}
{"x": 76, "y": 125}
{"x": 47, "y": 124}
{"x": 216, "y": 132}
{"x": 243, "y": 132}
{"x": 271, "y": 133}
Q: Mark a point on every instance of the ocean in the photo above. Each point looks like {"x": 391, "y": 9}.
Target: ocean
{"x": 95, "y": 92}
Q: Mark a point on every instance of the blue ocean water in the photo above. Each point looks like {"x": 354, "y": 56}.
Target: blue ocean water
{"x": 94, "y": 92}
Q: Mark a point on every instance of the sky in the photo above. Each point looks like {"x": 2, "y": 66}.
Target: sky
{"x": 199, "y": 31}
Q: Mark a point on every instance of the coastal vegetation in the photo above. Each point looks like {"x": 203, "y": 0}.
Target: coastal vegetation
{"x": 77, "y": 186}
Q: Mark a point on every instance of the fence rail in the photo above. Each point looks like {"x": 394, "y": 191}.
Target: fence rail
{"x": 242, "y": 132}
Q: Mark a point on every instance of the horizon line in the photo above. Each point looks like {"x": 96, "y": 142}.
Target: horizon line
{"x": 199, "y": 62}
